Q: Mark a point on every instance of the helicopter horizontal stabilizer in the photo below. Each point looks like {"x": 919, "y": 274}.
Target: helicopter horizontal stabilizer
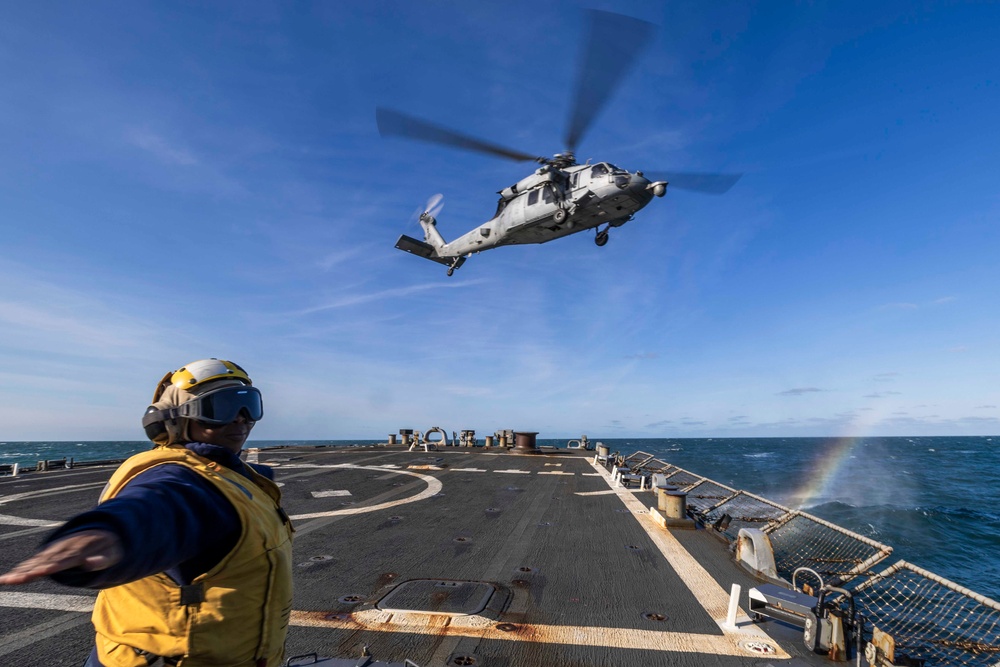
{"x": 425, "y": 250}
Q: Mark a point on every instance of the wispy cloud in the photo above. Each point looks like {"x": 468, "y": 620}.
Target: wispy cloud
{"x": 799, "y": 391}
{"x": 659, "y": 424}
{"x": 908, "y": 305}
{"x": 357, "y": 299}
{"x": 159, "y": 147}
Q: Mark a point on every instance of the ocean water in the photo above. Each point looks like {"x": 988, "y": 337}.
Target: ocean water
{"x": 936, "y": 501}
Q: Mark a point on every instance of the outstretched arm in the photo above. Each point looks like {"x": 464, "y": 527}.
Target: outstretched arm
{"x": 88, "y": 550}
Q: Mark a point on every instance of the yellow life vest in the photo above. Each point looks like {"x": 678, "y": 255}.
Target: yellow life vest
{"x": 235, "y": 615}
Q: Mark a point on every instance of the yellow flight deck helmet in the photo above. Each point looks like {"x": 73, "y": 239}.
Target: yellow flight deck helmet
{"x": 196, "y": 391}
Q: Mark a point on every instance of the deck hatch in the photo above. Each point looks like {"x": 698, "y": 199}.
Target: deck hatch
{"x": 438, "y": 596}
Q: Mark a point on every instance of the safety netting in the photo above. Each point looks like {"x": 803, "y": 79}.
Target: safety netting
{"x": 929, "y": 618}
{"x": 911, "y": 616}
{"x": 837, "y": 555}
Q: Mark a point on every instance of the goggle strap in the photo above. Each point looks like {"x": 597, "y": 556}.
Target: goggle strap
{"x": 158, "y": 416}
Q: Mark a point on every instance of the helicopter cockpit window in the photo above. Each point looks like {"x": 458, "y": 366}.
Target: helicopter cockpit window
{"x": 532, "y": 197}
{"x": 598, "y": 170}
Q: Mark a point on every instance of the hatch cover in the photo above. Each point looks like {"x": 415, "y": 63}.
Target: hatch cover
{"x": 438, "y": 596}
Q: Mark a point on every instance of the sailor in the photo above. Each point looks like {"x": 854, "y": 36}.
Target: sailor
{"x": 188, "y": 544}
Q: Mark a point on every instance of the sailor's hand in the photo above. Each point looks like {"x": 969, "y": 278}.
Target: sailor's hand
{"x": 88, "y": 550}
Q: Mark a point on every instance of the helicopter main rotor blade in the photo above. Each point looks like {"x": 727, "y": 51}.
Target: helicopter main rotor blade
{"x": 712, "y": 184}
{"x": 613, "y": 43}
{"x": 394, "y": 123}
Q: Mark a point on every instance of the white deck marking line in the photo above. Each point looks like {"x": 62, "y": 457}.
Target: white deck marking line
{"x": 553, "y": 464}
{"x": 84, "y": 603}
{"x": 514, "y": 472}
{"x": 709, "y": 594}
{"x": 8, "y": 520}
{"x": 331, "y": 493}
{"x": 433, "y": 488}
{"x": 595, "y": 493}
{"x": 483, "y": 628}
{"x": 469, "y": 470}
{"x": 40, "y": 632}
{"x": 555, "y": 472}
{"x": 50, "y": 492}
{"x": 425, "y": 467}
{"x": 591, "y": 474}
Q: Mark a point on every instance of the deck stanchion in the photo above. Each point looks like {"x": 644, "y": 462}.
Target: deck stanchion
{"x": 734, "y": 604}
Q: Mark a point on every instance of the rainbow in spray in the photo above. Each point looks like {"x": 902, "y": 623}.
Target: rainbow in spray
{"x": 825, "y": 470}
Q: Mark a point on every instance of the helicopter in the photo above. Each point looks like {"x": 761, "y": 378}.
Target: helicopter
{"x": 561, "y": 197}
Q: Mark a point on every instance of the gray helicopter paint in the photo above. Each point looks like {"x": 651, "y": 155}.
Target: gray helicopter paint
{"x": 613, "y": 43}
{"x": 595, "y": 200}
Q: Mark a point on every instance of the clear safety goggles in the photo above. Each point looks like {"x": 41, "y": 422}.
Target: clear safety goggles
{"x": 223, "y": 406}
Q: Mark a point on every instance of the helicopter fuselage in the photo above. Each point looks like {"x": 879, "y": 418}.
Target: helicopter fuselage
{"x": 552, "y": 203}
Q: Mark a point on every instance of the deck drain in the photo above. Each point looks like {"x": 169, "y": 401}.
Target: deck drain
{"x": 525, "y": 569}
{"x": 545, "y": 523}
{"x": 760, "y": 648}
{"x": 462, "y": 540}
{"x": 316, "y": 559}
{"x": 653, "y": 616}
{"x": 462, "y": 660}
{"x": 506, "y": 627}
{"x": 351, "y": 599}
{"x": 395, "y": 518}
{"x": 633, "y": 547}
{"x": 492, "y": 510}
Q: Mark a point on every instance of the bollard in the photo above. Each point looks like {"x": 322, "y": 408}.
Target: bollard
{"x": 14, "y": 471}
{"x": 42, "y": 466}
{"x": 603, "y": 450}
{"x": 524, "y": 442}
{"x": 489, "y": 441}
{"x": 392, "y": 438}
{"x": 672, "y": 503}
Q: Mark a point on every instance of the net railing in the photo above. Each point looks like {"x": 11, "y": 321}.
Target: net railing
{"x": 929, "y": 618}
{"x": 836, "y": 554}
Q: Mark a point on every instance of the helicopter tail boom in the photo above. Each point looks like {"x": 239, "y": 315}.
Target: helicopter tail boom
{"x": 427, "y": 251}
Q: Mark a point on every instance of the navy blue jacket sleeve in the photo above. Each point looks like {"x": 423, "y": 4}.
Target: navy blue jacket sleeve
{"x": 169, "y": 519}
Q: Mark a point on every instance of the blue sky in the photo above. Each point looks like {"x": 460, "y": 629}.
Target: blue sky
{"x": 180, "y": 181}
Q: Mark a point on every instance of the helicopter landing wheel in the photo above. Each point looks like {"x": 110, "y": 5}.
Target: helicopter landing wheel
{"x": 559, "y": 216}
{"x": 601, "y": 239}
{"x": 451, "y": 272}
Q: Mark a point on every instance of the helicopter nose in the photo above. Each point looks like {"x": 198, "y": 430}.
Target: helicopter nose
{"x": 638, "y": 185}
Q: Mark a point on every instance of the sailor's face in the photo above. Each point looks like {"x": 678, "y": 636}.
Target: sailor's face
{"x": 231, "y": 435}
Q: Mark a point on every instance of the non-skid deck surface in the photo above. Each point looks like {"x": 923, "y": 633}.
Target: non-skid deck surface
{"x": 570, "y": 570}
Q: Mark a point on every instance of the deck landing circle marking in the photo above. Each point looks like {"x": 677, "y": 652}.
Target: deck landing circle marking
{"x": 434, "y": 487}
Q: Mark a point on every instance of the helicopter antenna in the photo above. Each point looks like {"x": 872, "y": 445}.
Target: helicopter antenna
{"x": 613, "y": 43}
